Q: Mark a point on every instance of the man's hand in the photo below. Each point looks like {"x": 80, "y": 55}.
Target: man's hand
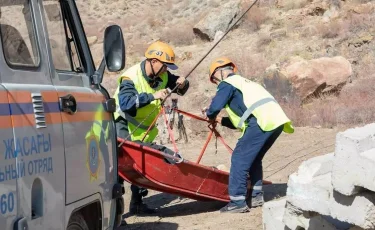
{"x": 203, "y": 111}
{"x": 218, "y": 119}
{"x": 161, "y": 94}
{"x": 181, "y": 81}
{"x": 212, "y": 121}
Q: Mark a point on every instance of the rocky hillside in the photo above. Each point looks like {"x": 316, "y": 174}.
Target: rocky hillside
{"x": 316, "y": 56}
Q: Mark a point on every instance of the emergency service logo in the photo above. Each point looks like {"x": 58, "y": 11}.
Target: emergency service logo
{"x": 93, "y": 156}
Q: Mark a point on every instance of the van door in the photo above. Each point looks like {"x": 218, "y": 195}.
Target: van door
{"x": 37, "y": 144}
{"x": 91, "y": 165}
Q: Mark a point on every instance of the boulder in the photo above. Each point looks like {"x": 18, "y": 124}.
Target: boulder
{"x": 363, "y": 8}
{"x": 218, "y": 35}
{"x": 219, "y": 19}
{"x": 319, "y": 76}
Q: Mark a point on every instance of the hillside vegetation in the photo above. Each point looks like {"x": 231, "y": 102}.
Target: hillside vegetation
{"x": 272, "y": 36}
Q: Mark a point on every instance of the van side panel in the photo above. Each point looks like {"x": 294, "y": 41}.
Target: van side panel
{"x": 37, "y": 142}
{"x": 40, "y": 152}
{"x": 91, "y": 167}
{"x": 88, "y": 149}
{"x": 8, "y": 166}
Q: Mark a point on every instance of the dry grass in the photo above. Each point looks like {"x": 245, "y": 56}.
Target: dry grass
{"x": 355, "y": 106}
{"x": 329, "y": 30}
{"x": 155, "y": 22}
{"x": 367, "y": 66}
{"x": 294, "y": 4}
{"x": 250, "y": 65}
{"x": 138, "y": 48}
{"x": 264, "y": 39}
{"x": 254, "y": 18}
{"x": 267, "y": 3}
{"x": 359, "y": 22}
{"x": 213, "y": 3}
{"x": 180, "y": 36}
{"x": 356, "y": 103}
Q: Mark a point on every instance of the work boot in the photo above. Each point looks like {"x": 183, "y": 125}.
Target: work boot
{"x": 234, "y": 208}
{"x": 123, "y": 223}
{"x": 257, "y": 200}
{"x": 137, "y": 206}
{"x": 140, "y": 208}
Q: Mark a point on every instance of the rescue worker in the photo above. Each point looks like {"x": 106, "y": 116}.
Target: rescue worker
{"x": 140, "y": 90}
{"x": 258, "y": 116}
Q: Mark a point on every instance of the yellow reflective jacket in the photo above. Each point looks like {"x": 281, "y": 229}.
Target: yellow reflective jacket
{"x": 142, "y": 86}
{"x": 260, "y": 103}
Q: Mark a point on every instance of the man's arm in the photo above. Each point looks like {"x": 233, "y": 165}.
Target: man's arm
{"x": 224, "y": 93}
{"x": 130, "y": 100}
{"x": 172, "y": 84}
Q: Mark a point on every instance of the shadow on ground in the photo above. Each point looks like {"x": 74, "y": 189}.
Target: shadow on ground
{"x": 274, "y": 191}
{"x": 150, "y": 226}
{"x": 169, "y": 205}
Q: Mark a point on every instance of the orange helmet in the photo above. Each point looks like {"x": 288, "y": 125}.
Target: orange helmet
{"x": 219, "y": 62}
{"x": 163, "y": 52}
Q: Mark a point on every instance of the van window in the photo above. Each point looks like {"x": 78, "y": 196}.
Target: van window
{"x": 64, "y": 51}
{"x": 17, "y": 34}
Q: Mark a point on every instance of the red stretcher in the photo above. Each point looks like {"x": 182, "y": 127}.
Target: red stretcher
{"x": 146, "y": 167}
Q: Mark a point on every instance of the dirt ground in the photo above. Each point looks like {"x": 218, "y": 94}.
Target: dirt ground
{"x": 283, "y": 159}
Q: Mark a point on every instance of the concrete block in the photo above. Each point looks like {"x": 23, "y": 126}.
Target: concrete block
{"x": 311, "y": 195}
{"x": 273, "y": 212}
{"x": 357, "y": 209}
{"x": 354, "y": 165}
{"x": 295, "y": 219}
{"x": 316, "y": 166}
{"x": 316, "y": 194}
{"x": 309, "y": 186}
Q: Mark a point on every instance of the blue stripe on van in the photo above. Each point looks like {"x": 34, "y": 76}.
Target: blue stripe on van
{"x": 49, "y": 107}
{"x": 4, "y": 109}
{"x": 21, "y": 108}
{"x": 54, "y": 107}
{"x": 88, "y": 106}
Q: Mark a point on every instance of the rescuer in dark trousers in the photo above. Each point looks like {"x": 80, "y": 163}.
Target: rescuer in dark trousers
{"x": 141, "y": 88}
{"x": 255, "y": 112}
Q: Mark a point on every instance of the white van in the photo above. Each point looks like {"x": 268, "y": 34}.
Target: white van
{"x": 58, "y": 167}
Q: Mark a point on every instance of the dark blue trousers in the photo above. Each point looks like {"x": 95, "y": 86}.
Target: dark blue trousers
{"x": 247, "y": 159}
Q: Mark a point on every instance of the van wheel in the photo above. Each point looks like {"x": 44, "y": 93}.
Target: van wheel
{"x": 77, "y": 222}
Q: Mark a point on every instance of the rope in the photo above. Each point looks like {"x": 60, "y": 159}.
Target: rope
{"x": 292, "y": 154}
{"x": 216, "y": 145}
{"x": 283, "y": 167}
{"x": 170, "y": 131}
{"x": 176, "y": 87}
{"x": 181, "y": 128}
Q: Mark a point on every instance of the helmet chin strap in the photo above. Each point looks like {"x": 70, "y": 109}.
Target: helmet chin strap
{"x": 221, "y": 71}
{"x": 154, "y": 75}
